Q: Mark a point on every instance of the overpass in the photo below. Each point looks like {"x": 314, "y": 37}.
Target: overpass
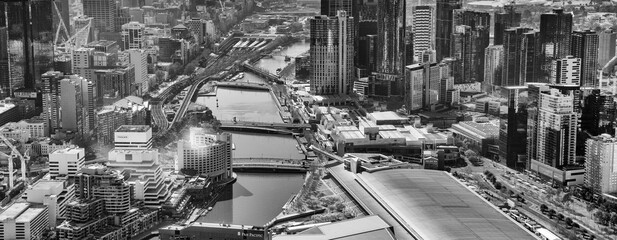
{"x": 244, "y": 85}
{"x": 187, "y": 100}
{"x": 261, "y": 72}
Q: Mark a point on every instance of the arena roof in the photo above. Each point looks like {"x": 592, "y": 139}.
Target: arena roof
{"x": 436, "y": 206}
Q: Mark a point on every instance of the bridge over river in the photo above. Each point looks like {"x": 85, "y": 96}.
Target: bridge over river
{"x": 270, "y": 164}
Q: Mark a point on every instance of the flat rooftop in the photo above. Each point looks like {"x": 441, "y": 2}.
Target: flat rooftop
{"x": 381, "y": 116}
{"x": 30, "y": 214}
{"x": 14, "y": 210}
{"x": 70, "y": 150}
{"x": 362, "y": 228}
{"x": 436, "y": 206}
{"x": 5, "y": 107}
{"x": 133, "y": 128}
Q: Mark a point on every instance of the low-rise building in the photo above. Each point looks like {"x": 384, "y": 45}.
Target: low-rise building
{"x": 54, "y": 194}
{"x": 23, "y": 221}
{"x": 66, "y": 162}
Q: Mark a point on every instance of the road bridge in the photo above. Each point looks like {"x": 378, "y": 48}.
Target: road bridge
{"x": 270, "y": 167}
{"x": 288, "y": 126}
{"x": 261, "y": 72}
{"x": 244, "y": 85}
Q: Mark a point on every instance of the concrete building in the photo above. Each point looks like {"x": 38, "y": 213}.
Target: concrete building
{"x": 133, "y": 137}
{"x": 23, "y": 221}
{"x": 127, "y": 111}
{"x": 104, "y": 13}
{"x": 600, "y": 161}
{"x": 139, "y": 59}
{"x": 133, "y": 35}
{"x": 606, "y": 46}
{"x": 66, "y": 162}
{"x": 8, "y": 113}
{"x": 77, "y": 104}
{"x": 492, "y": 67}
{"x": 53, "y": 194}
{"x": 114, "y": 84}
{"x": 332, "y": 69}
{"x": 566, "y": 71}
{"x": 422, "y": 26}
{"x": 51, "y": 99}
{"x": 469, "y": 40}
{"x": 206, "y": 154}
{"x": 414, "y": 87}
{"x": 99, "y": 182}
{"x": 29, "y": 128}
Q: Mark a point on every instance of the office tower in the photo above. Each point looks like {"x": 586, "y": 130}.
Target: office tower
{"x": 367, "y": 47}
{"x": 30, "y": 28}
{"x": 66, "y": 162}
{"x": 51, "y": 99}
{"x": 606, "y": 46}
{"x": 206, "y": 154}
{"x": 114, "y": 83}
{"x": 132, "y": 35}
{"x": 422, "y": 26}
{"x": 139, "y": 59}
{"x": 556, "y": 32}
{"x": 506, "y": 19}
{"x": 331, "y": 51}
{"x": 557, "y": 125}
{"x": 77, "y": 104}
{"x": 391, "y": 37}
{"x": 599, "y": 113}
{"x": 469, "y": 40}
{"x": 600, "y": 163}
{"x": 513, "y": 128}
{"x": 122, "y": 17}
{"x": 133, "y": 153}
{"x": 566, "y": 71}
{"x": 532, "y": 56}
{"x": 519, "y": 56}
{"x": 444, "y": 26}
{"x": 331, "y": 7}
{"x": 492, "y": 67}
{"x": 104, "y": 13}
{"x": 5, "y": 74}
{"x": 414, "y": 87}
{"x": 533, "y": 92}
{"x": 585, "y": 46}
{"x": 198, "y": 27}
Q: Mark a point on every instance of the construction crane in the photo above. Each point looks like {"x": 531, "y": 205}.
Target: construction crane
{"x": 15, "y": 153}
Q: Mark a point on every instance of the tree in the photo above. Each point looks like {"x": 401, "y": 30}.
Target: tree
{"x": 551, "y": 213}
{"x": 543, "y": 208}
{"x": 569, "y": 221}
{"x": 498, "y": 185}
{"x": 613, "y": 219}
{"x": 575, "y": 225}
{"x": 560, "y": 217}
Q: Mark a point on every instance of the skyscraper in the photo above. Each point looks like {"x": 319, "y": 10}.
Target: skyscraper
{"x": 51, "y": 99}
{"x": 513, "y": 128}
{"x": 469, "y": 40}
{"x": 391, "y": 37}
{"x": 533, "y": 100}
{"x": 331, "y": 51}
{"x": 513, "y": 58}
{"x": 598, "y": 115}
{"x": 600, "y": 162}
{"x": 606, "y": 46}
{"x": 422, "y": 26}
{"x": 566, "y": 71}
{"x": 492, "y": 67}
{"x": 556, "y": 32}
{"x": 557, "y": 125}
{"x": 331, "y": 7}
{"x": 585, "y": 46}
{"x": 104, "y": 13}
{"x": 444, "y": 26}
{"x": 30, "y": 30}
{"x": 509, "y": 18}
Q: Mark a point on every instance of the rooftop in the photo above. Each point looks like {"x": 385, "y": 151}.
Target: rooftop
{"x": 382, "y": 116}
{"x": 30, "y": 214}
{"x": 436, "y": 206}
{"x": 5, "y": 107}
{"x": 133, "y": 128}
{"x": 14, "y": 210}
{"x": 362, "y": 228}
{"x": 70, "y": 150}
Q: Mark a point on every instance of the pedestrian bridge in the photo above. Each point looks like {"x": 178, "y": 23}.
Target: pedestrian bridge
{"x": 243, "y": 85}
{"x": 280, "y": 128}
{"x": 269, "y": 164}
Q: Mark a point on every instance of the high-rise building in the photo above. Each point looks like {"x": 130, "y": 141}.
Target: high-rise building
{"x": 132, "y": 35}
{"x": 600, "y": 164}
{"x": 206, "y": 154}
{"x": 104, "y": 13}
{"x": 114, "y": 84}
{"x": 606, "y": 46}
{"x": 414, "y": 87}
{"x": 533, "y": 100}
{"x": 556, "y": 126}
{"x": 444, "y": 26}
{"x": 513, "y": 128}
{"x": 198, "y": 27}
{"x": 532, "y": 56}
{"x": 506, "y": 19}
{"x": 422, "y": 26}
{"x": 331, "y": 7}
{"x": 519, "y": 56}
{"x": 77, "y": 104}
{"x": 99, "y": 182}
{"x": 66, "y": 162}
{"x": 585, "y": 46}
{"x": 492, "y": 67}
{"x": 599, "y": 114}
{"x": 5, "y": 74}
{"x": 139, "y": 59}
{"x": 391, "y": 37}
{"x": 469, "y": 40}
{"x": 30, "y": 28}
{"x": 556, "y": 34}
{"x": 367, "y": 47}
{"x": 51, "y": 99}
{"x": 331, "y": 51}
{"x": 566, "y": 71}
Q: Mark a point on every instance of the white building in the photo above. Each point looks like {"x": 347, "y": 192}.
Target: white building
{"x": 423, "y": 25}
{"x": 22, "y": 221}
{"x": 566, "y": 71}
{"x": 600, "y": 164}
{"x": 133, "y": 137}
{"x": 77, "y": 104}
{"x": 139, "y": 59}
{"x": 207, "y": 154}
{"x": 414, "y": 84}
{"x": 331, "y": 54}
{"x": 66, "y": 162}
{"x": 55, "y": 194}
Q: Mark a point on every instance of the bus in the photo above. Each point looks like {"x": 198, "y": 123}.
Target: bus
{"x": 545, "y": 234}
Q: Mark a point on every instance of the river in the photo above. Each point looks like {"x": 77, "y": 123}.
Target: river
{"x": 255, "y": 198}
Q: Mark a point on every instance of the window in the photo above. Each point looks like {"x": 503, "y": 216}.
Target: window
{"x": 128, "y": 157}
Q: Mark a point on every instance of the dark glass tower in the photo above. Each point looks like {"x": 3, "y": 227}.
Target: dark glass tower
{"x": 329, "y": 7}
{"x": 444, "y": 26}
{"x": 514, "y": 56}
{"x": 471, "y": 51}
{"x": 598, "y": 117}
{"x": 391, "y": 37}
{"x": 509, "y": 18}
{"x": 556, "y": 32}
{"x": 30, "y": 35}
{"x": 513, "y": 128}
{"x": 585, "y": 46}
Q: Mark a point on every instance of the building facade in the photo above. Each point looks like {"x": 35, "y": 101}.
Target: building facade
{"x": 206, "y": 154}
{"x": 600, "y": 161}
{"x": 585, "y": 46}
